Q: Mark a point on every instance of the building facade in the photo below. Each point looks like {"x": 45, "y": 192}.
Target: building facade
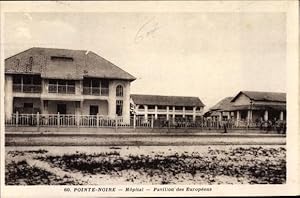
{"x": 77, "y": 82}
{"x": 167, "y": 107}
{"x": 250, "y": 107}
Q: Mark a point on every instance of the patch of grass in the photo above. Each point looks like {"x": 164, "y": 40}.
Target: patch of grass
{"x": 21, "y": 173}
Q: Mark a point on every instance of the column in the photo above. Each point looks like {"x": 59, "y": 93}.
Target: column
{"x": 220, "y": 116}
{"x": 8, "y": 101}
{"x": 249, "y": 116}
{"x": 45, "y": 86}
{"x": 146, "y": 112}
{"x": 194, "y": 114}
{"x": 44, "y": 111}
{"x": 112, "y": 99}
{"x": 78, "y": 106}
{"x": 167, "y": 112}
{"x": 183, "y": 111}
{"x": 155, "y": 112}
{"x": 78, "y": 87}
{"x": 44, "y": 106}
{"x": 281, "y": 115}
{"x": 238, "y": 116}
{"x": 266, "y": 115}
{"x": 173, "y": 114}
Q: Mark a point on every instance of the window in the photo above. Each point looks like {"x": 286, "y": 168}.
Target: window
{"x": 178, "y": 108}
{"x": 119, "y": 91}
{"x": 189, "y": 108}
{"x": 119, "y": 107}
{"x": 28, "y": 105}
{"x": 61, "y": 86}
{"x": 27, "y": 79}
{"x": 151, "y": 106}
{"x": 95, "y": 86}
{"x": 104, "y": 84}
{"x": 17, "y": 79}
{"x": 142, "y": 107}
{"x": 27, "y": 83}
{"x": 161, "y": 107}
{"x": 61, "y": 58}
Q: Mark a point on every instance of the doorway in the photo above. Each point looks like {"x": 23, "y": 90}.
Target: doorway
{"x": 94, "y": 109}
{"x": 62, "y": 108}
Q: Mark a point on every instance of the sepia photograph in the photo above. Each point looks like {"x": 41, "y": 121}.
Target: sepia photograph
{"x": 145, "y": 99}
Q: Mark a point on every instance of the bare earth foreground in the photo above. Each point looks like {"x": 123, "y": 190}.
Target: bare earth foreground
{"x": 98, "y": 165}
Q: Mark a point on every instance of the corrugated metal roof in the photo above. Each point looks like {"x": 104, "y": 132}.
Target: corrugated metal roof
{"x": 263, "y": 96}
{"x": 166, "y": 100}
{"x": 68, "y": 64}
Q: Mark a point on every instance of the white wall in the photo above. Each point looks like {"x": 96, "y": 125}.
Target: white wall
{"x": 8, "y": 98}
{"x": 19, "y": 102}
{"x": 126, "y": 99}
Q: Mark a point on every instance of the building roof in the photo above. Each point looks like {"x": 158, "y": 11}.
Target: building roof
{"x": 224, "y": 104}
{"x": 262, "y": 96}
{"x": 166, "y": 100}
{"x": 64, "y": 64}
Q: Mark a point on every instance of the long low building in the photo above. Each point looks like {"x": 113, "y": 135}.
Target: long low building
{"x": 250, "y": 107}
{"x": 167, "y": 107}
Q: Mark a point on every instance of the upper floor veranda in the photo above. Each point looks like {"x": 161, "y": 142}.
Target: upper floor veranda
{"x": 28, "y": 85}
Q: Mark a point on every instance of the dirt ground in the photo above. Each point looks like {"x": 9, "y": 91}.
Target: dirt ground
{"x": 142, "y": 139}
{"x": 145, "y": 165}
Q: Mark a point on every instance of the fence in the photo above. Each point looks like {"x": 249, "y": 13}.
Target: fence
{"x": 97, "y": 121}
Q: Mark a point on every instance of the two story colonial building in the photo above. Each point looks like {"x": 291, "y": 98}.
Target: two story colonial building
{"x": 167, "y": 107}
{"x": 78, "y": 82}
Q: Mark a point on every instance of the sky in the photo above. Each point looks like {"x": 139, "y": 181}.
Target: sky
{"x": 208, "y": 55}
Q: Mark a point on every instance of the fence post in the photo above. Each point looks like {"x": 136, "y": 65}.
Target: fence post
{"x": 116, "y": 122}
{"x": 77, "y": 120}
{"x": 134, "y": 121}
{"x": 152, "y": 120}
{"x": 58, "y": 120}
{"x": 38, "y": 119}
{"x": 17, "y": 118}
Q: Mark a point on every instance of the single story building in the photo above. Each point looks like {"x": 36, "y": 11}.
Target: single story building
{"x": 249, "y": 107}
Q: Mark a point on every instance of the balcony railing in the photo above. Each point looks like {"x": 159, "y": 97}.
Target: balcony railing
{"x": 96, "y": 91}
{"x": 27, "y": 88}
{"x": 189, "y": 111}
{"x": 64, "y": 89}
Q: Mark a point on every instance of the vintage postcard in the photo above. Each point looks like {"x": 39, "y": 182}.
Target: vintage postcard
{"x": 149, "y": 98}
